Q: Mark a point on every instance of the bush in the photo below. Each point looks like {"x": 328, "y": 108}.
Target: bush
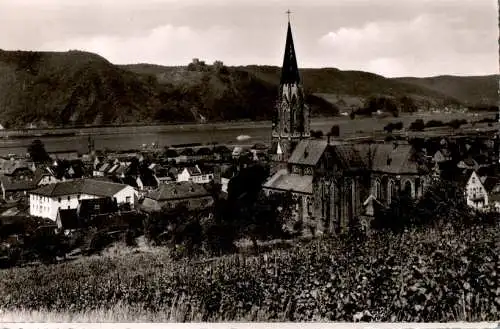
{"x": 455, "y": 124}
{"x": 417, "y": 125}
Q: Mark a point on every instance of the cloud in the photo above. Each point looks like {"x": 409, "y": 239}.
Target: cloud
{"x": 425, "y": 45}
{"x": 166, "y": 44}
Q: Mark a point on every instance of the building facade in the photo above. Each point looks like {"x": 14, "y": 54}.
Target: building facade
{"x": 47, "y": 200}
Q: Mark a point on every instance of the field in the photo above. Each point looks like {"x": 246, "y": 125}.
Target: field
{"x": 433, "y": 274}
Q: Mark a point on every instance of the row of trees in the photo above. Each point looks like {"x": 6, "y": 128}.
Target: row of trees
{"x": 420, "y": 125}
{"x": 390, "y": 105}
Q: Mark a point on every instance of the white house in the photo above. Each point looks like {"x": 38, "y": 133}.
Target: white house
{"x": 194, "y": 174}
{"x": 479, "y": 191}
{"x": 46, "y": 200}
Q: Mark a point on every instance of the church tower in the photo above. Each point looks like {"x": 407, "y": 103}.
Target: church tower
{"x": 291, "y": 116}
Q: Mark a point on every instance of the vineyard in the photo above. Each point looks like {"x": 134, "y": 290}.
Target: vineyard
{"x": 433, "y": 274}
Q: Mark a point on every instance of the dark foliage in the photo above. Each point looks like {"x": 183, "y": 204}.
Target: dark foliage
{"x": 37, "y": 152}
{"x": 417, "y": 125}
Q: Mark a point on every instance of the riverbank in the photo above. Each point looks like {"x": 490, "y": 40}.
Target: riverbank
{"x": 186, "y": 127}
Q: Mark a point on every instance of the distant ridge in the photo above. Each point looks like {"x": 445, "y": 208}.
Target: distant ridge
{"x": 49, "y": 89}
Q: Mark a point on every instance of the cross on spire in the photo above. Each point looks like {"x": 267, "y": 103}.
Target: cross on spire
{"x": 288, "y": 12}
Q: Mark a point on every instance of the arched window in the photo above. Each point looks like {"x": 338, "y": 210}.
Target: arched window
{"x": 408, "y": 188}
{"x": 377, "y": 190}
{"x": 390, "y": 191}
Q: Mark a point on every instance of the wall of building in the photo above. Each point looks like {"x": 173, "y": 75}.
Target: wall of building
{"x": 47, "y": 207}
{"x": 475, "y": 193}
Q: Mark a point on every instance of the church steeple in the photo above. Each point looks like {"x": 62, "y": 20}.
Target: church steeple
{"x": 291, "y": 117}
{"x": 290, "y": 69}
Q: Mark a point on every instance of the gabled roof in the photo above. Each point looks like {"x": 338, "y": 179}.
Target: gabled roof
{"x": 289, "y": 70}
{"x": 40, "y": 173}
{"x": 178, "y": 190}
{"x": 393, "y": 158}
{"x": 308, "y": 152}
{"x": 284, "y": 181}
{"x": 80, "y": 186}
{"x": 193, "y": 170}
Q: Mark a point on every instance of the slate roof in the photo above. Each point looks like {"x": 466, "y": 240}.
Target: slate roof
{"x": 308, "y": 152}
{"x": 11, "y": 185}
{"x": 284, "y": 181}
{"x": 80, "y": 186}
{"x": 390, "y": 158}
{"x": 8, "y": 166}
{"x": 39, "y": 174}
{"x": 349, "y": 157}
{"x": 178, "y": 190}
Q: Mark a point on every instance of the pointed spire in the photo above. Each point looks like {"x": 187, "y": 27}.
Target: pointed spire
{"x": 289, "y": 70}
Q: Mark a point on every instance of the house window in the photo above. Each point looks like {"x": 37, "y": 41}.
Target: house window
{"x": 59, "y": 200}
{"x": 69, "y": 197}
{"x": 127, "y": 199}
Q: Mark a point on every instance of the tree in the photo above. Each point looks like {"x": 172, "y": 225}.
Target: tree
{"x": 407, "y": 104}
{"x": 316, "y": 133}
{"x": 335, "y": 131}
{"x": 37, "y": 152}
{"x": 417, "y": 125}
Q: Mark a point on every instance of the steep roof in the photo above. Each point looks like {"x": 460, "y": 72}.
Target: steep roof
{"x": 178, "y": 190}
{"x": 284, "y": 181}
{"x": 349, "y": 157}
{"x": 308, "y": 152}
{"x": 392, "y": 158}
{"x": 289, "y": 71}
{"x": 80, "y": 186}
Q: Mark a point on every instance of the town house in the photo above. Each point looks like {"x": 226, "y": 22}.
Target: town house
{"x": 47, "y": 200}
{"x": 194, "y": 174}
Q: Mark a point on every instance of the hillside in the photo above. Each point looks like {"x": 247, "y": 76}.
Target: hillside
{"x": 350, "y": 89}
{"x": 471, "y": 90}
{"x": 49, "y": 89}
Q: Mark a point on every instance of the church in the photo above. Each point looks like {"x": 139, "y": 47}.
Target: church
{"x": 334, "y": 183}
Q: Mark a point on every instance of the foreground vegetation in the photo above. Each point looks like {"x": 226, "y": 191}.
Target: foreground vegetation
{"x": 432, "y": 274}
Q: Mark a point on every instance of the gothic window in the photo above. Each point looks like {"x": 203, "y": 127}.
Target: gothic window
{"x": 377, "y": 189}
{"x": 390, "y": 191}
{"x": 407, "y": 188}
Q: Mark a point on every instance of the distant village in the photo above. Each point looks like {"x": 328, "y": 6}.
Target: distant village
{"x": 335, "y": 184}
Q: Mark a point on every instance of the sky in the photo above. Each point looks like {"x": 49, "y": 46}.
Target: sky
{"x": 392, "y": 38}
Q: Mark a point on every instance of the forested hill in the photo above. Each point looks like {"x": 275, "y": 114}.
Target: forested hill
{"x": 48, "y": 89}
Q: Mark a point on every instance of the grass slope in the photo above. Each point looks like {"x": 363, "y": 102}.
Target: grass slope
{"x": 434, "y": 275}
